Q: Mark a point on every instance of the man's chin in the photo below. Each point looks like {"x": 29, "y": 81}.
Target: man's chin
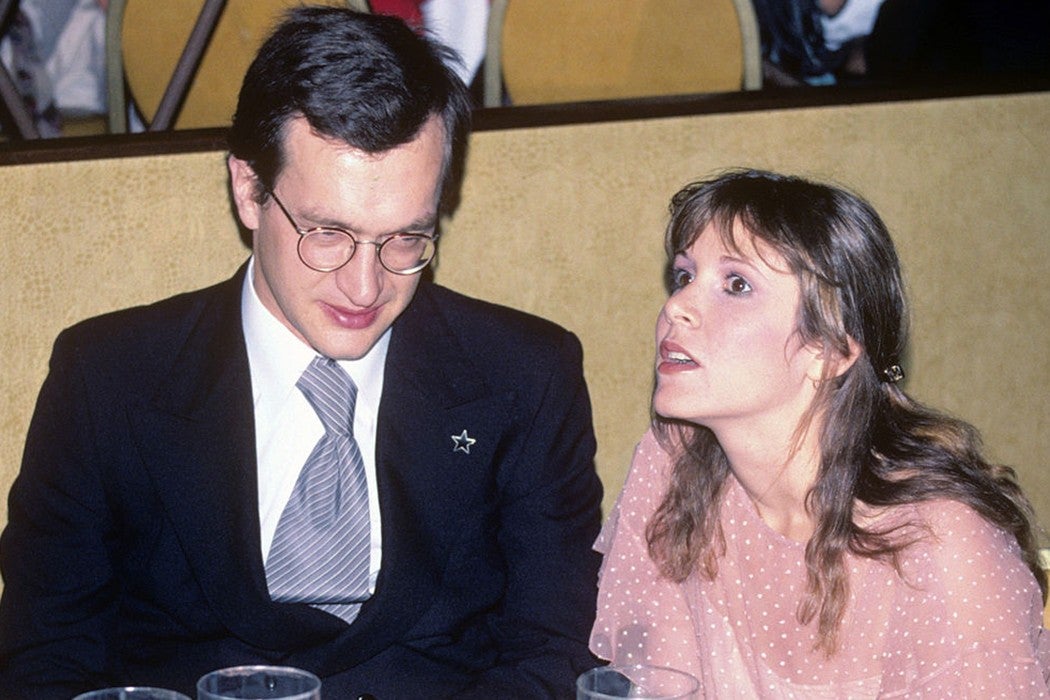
{"x": 346, "y": 345}
{"x": 343, "y": 351}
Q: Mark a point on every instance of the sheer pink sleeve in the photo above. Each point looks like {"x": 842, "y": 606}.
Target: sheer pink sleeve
{"x": 976, "y": 617}
{"x": 642, "y": 616}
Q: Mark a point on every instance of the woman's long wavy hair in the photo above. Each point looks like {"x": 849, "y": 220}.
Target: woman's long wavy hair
{"x": 877, "y": 446}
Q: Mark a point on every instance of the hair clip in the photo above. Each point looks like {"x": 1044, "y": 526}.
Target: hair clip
{"x": 893, "y": 374}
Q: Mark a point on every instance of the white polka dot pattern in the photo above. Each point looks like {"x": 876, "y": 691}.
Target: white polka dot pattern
{"x": 963, "y": 620}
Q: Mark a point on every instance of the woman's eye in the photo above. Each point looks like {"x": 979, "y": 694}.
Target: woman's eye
{"x": 680, "y": 277}
{"x": 735, "y": 284}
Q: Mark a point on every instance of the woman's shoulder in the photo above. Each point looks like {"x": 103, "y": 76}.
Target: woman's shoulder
{"x": 931, "y": 521}
{"x": 953, "y": 526}
{"x": 951, "y": 548}
{"x": 939, "y": 528}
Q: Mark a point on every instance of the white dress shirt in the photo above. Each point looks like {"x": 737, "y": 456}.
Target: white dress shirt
{"x": 286, "y": 426}
{"x": 855, "y": 19}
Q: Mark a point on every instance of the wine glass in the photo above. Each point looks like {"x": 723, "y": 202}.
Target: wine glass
{"x": 259, "y": 683}
{"x": 132, "y": 693}
{"x": 639, "y": 682}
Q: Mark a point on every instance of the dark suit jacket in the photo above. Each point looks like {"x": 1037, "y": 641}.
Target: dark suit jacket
{"x": 132, "y": 550}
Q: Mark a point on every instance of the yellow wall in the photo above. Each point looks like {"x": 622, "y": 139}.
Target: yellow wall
{"x": 567, "y": 222}
{"x": 963, "y": 184}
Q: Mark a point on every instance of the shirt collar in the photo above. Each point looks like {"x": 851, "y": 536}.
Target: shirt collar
{"x": 278, "y": 357}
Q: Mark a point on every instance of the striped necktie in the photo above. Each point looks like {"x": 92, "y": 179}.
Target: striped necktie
{"x": 321, "y": 546}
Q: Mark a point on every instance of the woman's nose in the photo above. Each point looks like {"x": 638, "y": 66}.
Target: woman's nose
{"x": 681, "y": 308}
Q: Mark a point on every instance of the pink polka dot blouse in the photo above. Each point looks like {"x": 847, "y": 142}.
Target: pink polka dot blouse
{"x": 964, "y": 620}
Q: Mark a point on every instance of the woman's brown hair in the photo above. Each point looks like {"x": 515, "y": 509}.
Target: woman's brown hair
{"x": 878, "y": 447}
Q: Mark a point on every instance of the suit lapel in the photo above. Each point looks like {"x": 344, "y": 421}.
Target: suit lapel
{"x": 197, "y": 439}
{"x": 431, "y": 391}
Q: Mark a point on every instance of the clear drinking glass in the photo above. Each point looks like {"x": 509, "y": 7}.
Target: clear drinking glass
{"x": 259, "y": 683}
{"x": 640, "y": 682}
{"x": 132, "y": 693}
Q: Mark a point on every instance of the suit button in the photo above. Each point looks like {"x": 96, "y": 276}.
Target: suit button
{"x": 366, "y": 696}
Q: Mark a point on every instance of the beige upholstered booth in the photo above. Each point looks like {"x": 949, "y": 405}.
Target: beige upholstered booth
{"x": 566, "y": 221}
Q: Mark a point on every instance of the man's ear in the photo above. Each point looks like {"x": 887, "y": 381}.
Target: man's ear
{"x": 244, "y": 185}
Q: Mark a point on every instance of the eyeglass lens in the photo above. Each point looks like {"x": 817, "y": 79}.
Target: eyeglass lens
{"x": 328, "y": 249}
{"x": 325, "y": 250}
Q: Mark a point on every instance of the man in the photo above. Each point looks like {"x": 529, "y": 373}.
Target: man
{"x": 182, "y": 453}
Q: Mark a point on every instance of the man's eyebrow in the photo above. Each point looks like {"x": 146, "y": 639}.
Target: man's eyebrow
{"x": 423, "y": 224}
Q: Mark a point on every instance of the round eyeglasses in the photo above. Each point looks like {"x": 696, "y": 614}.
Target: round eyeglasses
{"x": 327, "y": 249}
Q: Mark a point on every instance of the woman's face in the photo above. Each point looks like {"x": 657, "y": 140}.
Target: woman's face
{"x": 728, "y": 354}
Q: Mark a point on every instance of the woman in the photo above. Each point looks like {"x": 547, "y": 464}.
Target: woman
{"x": 794, "y": 525}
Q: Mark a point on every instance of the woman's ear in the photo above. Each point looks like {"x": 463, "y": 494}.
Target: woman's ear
{"x": 244, "y": 185}
{"x": 838, "y": 364}
{"x": 832, "y": 363}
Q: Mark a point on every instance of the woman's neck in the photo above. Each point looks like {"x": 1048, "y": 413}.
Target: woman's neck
{"x": 777, "y": 475}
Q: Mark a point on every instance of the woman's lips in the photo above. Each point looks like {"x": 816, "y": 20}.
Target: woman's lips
{"x": 673, "y": 358}
{"x": 349, "y": 319}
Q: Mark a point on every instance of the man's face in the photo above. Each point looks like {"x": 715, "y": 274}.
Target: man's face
{"x": 340, "y": 314}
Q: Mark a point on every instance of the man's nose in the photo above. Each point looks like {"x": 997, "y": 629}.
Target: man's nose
{"x": 361, "y": 279}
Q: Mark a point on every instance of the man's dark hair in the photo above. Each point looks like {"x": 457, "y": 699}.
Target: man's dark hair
{"x": 366, "y": 80}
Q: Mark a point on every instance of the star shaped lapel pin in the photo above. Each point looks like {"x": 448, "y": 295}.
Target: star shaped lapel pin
{"x": 462, "y": 442}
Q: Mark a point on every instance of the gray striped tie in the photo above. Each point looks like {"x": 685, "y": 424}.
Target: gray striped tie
{"x": 320, "y": 549}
